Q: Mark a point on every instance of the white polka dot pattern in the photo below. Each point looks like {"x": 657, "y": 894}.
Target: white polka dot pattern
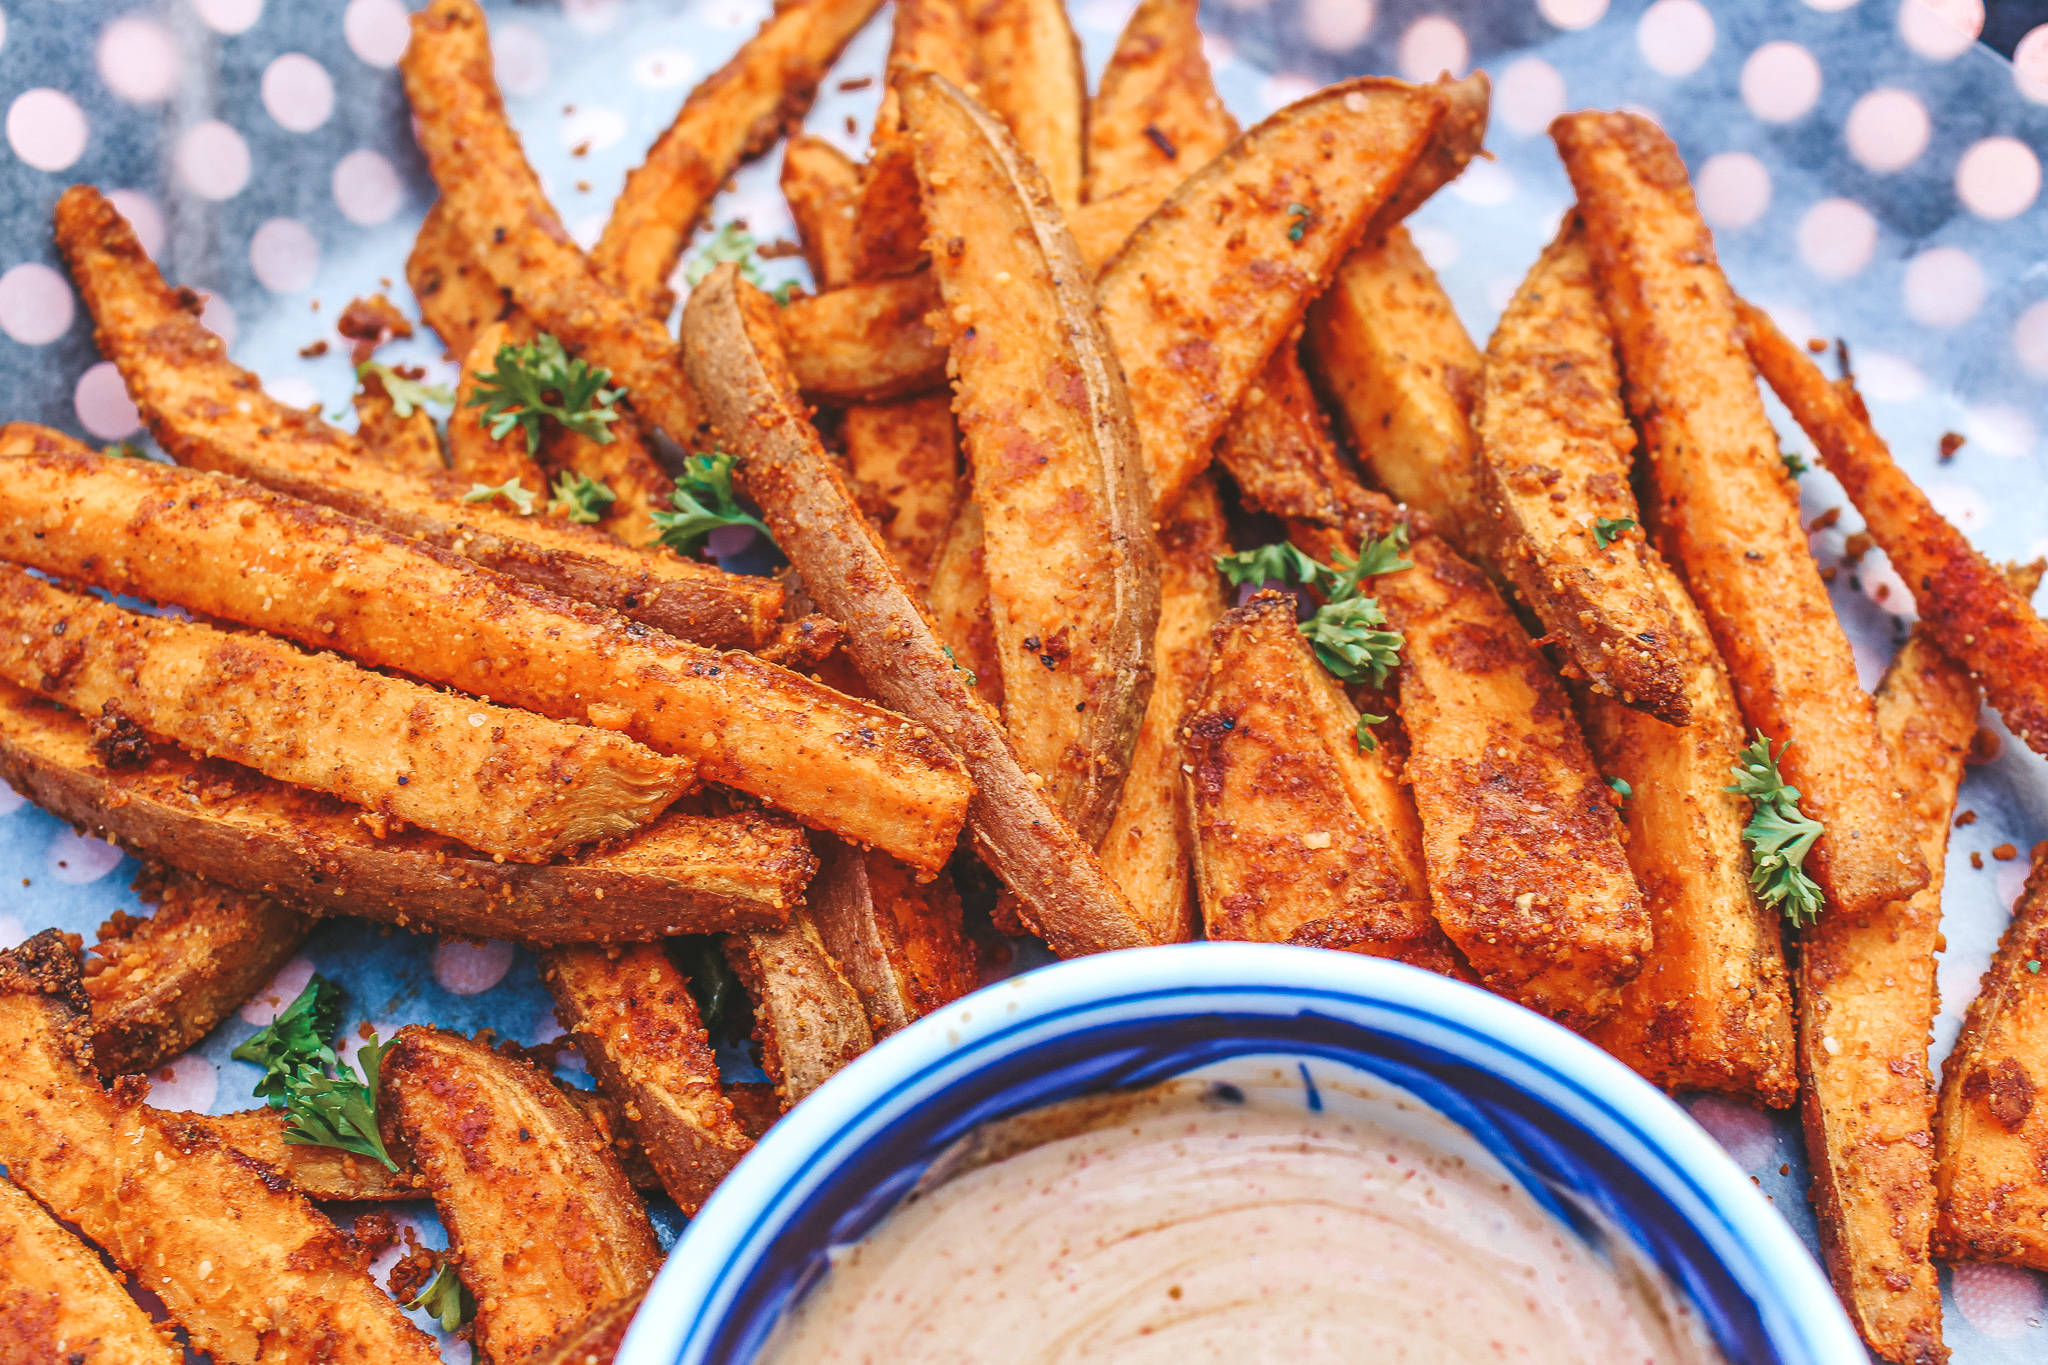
{"x": 101, "y": 400}
{"x": 464, "y": 968}
{"x": 1837, "y": 237}
{"x": 213, "y": 160}
{"x": 1528, "y": 95}
{"x": 47, "y": 129}
{"x": 1887, "y": 129}
{"x": 1780, "y": 82}
{"x": 1433, "y": 45}
{"x": 298, "y": 92}
{"x": 1676, "y": 36}
{"x": 285, "y": 255}
{"x": 1734, "y": 189}
{"x": 138, "y": 59}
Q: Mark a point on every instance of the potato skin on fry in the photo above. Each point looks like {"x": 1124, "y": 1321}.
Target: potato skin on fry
{"x": 1156, "y": 112}
{"x": 542, "y": 1227}
{"x": 1724, "y": 510}
{"x": 1553, "y": 447}
{"x": 250, "y": 1269}
{"x": 1066, "y": 541}
{"x": 807, "y": 1016}
{"x": 58, "y": 1303}
{"x": 898, "y": 944}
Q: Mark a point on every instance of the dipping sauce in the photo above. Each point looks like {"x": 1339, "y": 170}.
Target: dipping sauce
{"x": 1181, "y": 1227}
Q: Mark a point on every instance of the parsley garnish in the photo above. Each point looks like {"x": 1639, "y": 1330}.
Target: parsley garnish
{"x": 123, "y": 450}
{"x": 1622, "y": 789}
{"x": 511, "y": 491}
{"x": 1300, "y": 213}
{"x": 1345, "y": 630}
{"x": 705, "y": 477}
{"x": 713, "y": 984}
{"x": 734, "y": 243}
{"x": 1779, "y": 834}
{"x": 446, "y": 1299}
{"x": 325, "y": 1110}
{"x": 405, "y": 394}
{"x": 1795, "y": 464}
{"x": 972, "y": 680}
{"x": 1347, "y": 637}
{"x": 2034, "y": 966}
{"x": 585, "y": 499}
{"x": 1606, "y": 530}
{"x": 515, "y": 394}
{"x": 1367, "y": 740}
{"x": 1267, "y": 564}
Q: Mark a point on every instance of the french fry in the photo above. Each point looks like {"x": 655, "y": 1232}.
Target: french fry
{"x": 500, "y": 780}
{"x": 808, "y": 1019}
{"x": 1073, "y": 576}
{"x": 821, "y": 184}
{"x": 1148, "y": 848}
{"x": 496, "y": 201}
{"x": 243, "y": 554}
{"x": 637, "y": 1026}
{"x": 736, "y": 114}
{"x": 908, "y": 452}
{"x": 457, "y": 296}
{"x": 408, "y": 443}
{"x": 730, "y": 345}
{"x": 542, "y": 1226}
{"x": 929, "y": 35}
{"x": 1209, "y": 284}
{"x": 683, "y": 874}
{"x": 473, "y": 453}
{"x": 325, "y": 1173}
{"x": 1386, "y": 346}
{"x": 1032, "y": 79}
{"x": 160, "y": 984}
{"x": 1553, "y": 466}
{"x": 596, "y": 1339}
{"x": 1296, "y": 830}
{"x": 957, "y": 598}
{"x": 898, "y": 944}
{"x": 626, "y": 467}
{"x": 868, "y": 342}
{"x": 1978, "y": 616}
{"x": 1711, "y": 1009}
{"x": 1725, "y": 510}
{"x": 58, "y": 1303}
{"x": 1156, "y": 112}
{"x": 246, "y": 1266}
{"x": 1278, "y": 450}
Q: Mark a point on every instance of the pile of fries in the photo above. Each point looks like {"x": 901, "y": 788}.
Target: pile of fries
{"x": 1508, "y": 703}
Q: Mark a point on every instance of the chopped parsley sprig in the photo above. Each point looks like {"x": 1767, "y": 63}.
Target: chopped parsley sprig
{"x": 446, "y": 1299}
{"x": 512, "y": 491}
{"x": 1607, "y": 530}
{"x": 406, "y": 395}
{"x": 328, "y": 1106}
{"x": 581, "y": 498}
{"x": 538, "y": 380}
{"x": 1350, "y": 639}
{"x": 734, "y": 243}
{"x": 1779, "y": 834}
{"x": 704, "y": 501}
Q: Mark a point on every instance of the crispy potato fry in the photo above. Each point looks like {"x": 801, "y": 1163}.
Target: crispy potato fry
{"x": 1278, "y": 450}
{"x": 160, "y": 984}
{"x": 1866, "y": 1006}
{"x": 412, "y": 444}
{"x": 808, "y": 1018}
{"x": 1724, "y": 508}
{"x": 250, "y": 1269}
{"x": 496, "y": 201}
{"x": 1219, "y": 275}
{"x": 1150, "y": 844}
{"x": 822, "y": 187}
{"x": 908, "y": 452}
{"x": 730, "y": 344}
{"x": 1295, "y": 829}
{"x": 958, "y": 602}
{"x": 1976, "y": 614}
{"x": 1066, "y": 543}
{"x": 242, "y": 554}
{"x": 58, "y": 1303}
{"x": 317, "y": 1172}
{"x": 473, "y": 453}
{"x": 1385, "y": 344}
{"x": 625, "y": 466}
{"x": 898, "y": 944}
{"x": 929, "y": 35}
{"x": 637, "y": 1026}
{"x": 596, "y": 1339}
{"x": 734, "y": 115}
{"x": 457, "y": 296}
{"x": 1553, "y": 464}
{"x": 1032, "y": 79}
{"x": 1459, "y": 133}
{"x": 510, "y": 783}
{"x": 1156, "y": 112}
{"x": 1712, "y": 1009}
{"x": 868, "y": 342}
{"x": 542, "y": 1226}
{"x": 683, "y": 874}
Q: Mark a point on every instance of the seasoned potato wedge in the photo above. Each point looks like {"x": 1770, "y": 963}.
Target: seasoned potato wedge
{"x": 1553, "y": 447}
{"x": 457, "y": 296}
{"x": 1031, "y": 78}
{"x": 868, "y": 342}
{"x": 1725, "y": 510}
{"x": 246, "y": 1266}
{"x": 473, "y": 453}
{"x": 1073, "y": 575}
{"x": 730, "y": 344}
{"x": 822, "y": 187}
{"x": 683, "y": 874}
{"x": 1278, "y": 451}
{"x": 929, "y": 35}
{"x": 1156, "y": 112}
{"x": 1296, "y": 829}
{"x": 957, "y": 597}
{"x": 1148, "y": 848}
{"x": 908, "y": 452}
{"x": 808, "y": 1018}
{"x": 1712, "y": 1009}
{"x": 412, "y": 444}
{"x": 326, "y": 1173}
{"x": 898, "y": 944}
{"x": 58, "y": 1303}
{"x": 596, "y": 1339}
{"x": 542, "y": 1226}
{"x": 160, "y": 984}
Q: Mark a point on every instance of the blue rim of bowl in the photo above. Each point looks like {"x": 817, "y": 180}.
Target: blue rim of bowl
{"x": 1097, "y": 1023}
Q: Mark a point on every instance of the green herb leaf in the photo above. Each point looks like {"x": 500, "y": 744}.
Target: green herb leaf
{"x": 730, "y": 243}
{"x": 295, "y": 1043}
{"x": 703, "y": 502}
{"x": 1779, "y": 834}
{"x": 1795, "y": 463}
{"x": 341, "y": 1111}
{"x": 1280, "y": 563}
{"x": 1367, "y": 740}
{"x": 972, "y": 680}
{"x": 1299, "y": 212}
{"x": 784, "y": 292}
{"x": 2034, "y": 966}
{"x": 1606, "y": 530}
{"x": 511, "y": 491}
{"x": 1377, "y": 557}
{"x": 585, "y": 499}
{"x": 406, "y": 395}
{"x": 124, "y": 450}
{"x": 446, "y": 1299}
{"x": 516, "y": 393}
{"x": 1622, "y": 789}
{"x": 712, "y": 983}
{"x": 1348, "y": 638}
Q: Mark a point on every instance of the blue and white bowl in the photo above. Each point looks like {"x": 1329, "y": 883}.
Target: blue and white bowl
{"x": 1587, "y": 1137}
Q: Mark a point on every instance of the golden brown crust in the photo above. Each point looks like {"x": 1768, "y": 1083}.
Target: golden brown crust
{"x": 412, "y": 444}
{"x": 1032, "y": 79}
{"x": 1724, "y": 508}
{"x": 929, "y": 35}
{"x": 473, "y": 453}
{"x": 908, "y": 452}
{"x": 821, "y": 184}
{"x": 1277, "y": 449}
{"x": 1553, "y": 447}
{"x": 867, "y": 342}
{"x": 326, "y": 1173}
{"x": 683, "y": 874}
{"x": 730, "y": 346}
{"x": 957, "y": 598}
{"x": 542, "y": 1226}
{"x": 58, "y": 1303}
{"x": 158, "y": 985}
{"x": 898, "y": 944}
{"x": 1156, "y": 111}
{"x": 1039, "y": 396}
{"x": 596, "y": 1339}
{"x": 247, "y": 1266}
{"x": 808, "y": 1018}
{"x": 457, "y": 296}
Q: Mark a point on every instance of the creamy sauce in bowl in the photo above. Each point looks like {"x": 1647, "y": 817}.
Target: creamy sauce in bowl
{"x": 1193, "y": 1223}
